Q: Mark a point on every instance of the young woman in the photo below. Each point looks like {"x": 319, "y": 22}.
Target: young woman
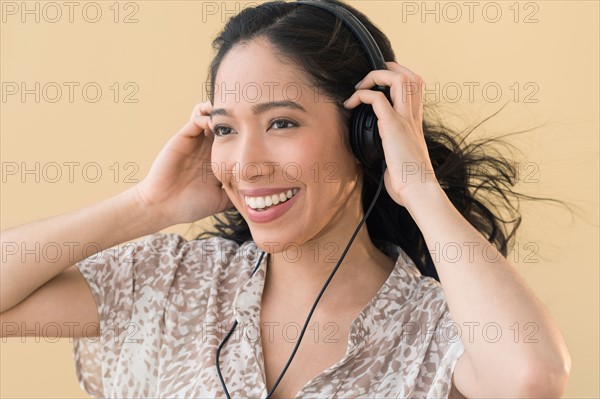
{"x": 222, "y": 315}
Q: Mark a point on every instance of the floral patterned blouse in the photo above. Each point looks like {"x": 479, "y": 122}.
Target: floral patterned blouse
{"x": 165, "y": 303}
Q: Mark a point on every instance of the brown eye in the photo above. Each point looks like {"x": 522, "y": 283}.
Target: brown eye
{"x": 220, "y": 130}
{"x": 283, "y": 123}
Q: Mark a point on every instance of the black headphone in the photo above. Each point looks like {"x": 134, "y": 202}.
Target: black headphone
{"x": 364, "y": 133}
{"x": 366, "y": 145}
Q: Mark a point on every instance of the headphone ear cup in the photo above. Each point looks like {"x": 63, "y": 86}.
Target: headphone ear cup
{"x": 364, "y": 137}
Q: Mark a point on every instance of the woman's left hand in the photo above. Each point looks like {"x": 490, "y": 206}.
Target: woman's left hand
{"x": 400, "y": 126}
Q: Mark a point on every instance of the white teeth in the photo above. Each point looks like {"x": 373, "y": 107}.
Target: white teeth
{"x": 269, "y": 200}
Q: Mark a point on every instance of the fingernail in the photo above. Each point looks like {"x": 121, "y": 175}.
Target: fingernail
{"x": 358, "y": 84}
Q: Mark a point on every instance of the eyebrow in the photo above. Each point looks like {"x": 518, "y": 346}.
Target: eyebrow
{"x": 263, "y": 107}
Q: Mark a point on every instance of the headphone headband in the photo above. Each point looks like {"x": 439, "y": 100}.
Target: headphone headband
{"x": 360, "y": 31}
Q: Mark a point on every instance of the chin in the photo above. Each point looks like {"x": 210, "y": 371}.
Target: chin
{"x": 272, "y": 240}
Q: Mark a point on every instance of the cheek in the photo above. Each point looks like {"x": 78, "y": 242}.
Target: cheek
{"x": 218, "y": 161}
{"x": 331, "y": 173}
{"x": 323, "y": 158}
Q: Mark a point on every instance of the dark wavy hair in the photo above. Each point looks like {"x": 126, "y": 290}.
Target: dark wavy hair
{"x": 334, "y": 60}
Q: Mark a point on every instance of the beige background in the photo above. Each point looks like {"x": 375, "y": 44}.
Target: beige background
{"x": 166, "y": 53}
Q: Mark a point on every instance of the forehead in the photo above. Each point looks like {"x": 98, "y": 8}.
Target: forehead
{"x": 253, "y": 73}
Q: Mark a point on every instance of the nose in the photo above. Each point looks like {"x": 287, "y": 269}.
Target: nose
{"x": 253, "y": 158}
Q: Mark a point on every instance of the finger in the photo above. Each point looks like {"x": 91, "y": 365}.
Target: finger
{"x": 190, "y": 129}
{"x": 195, "y": 111}
{"x": 206, "y": 108}
{"x": 394, "y": 66}
{"x": 198, "y": 123}
{"x": 397, "y": 83}
{"x": 414, "y": 88}
{"x": 382, "y": 77}
{"x": 204, "y": 123}
{"x": 381, "y": 106}
{"x": 203, "y": 108}
{"x": 195, "y": 127}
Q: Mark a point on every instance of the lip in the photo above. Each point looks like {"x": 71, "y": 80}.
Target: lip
{"x": 273, "y": 212}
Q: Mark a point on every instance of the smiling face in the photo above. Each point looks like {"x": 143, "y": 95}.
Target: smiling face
{"x": 295, "y": 178}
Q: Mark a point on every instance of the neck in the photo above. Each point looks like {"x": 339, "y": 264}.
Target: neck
{"x": 300, "y": 272}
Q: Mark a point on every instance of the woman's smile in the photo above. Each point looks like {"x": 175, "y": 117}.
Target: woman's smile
{"x": 266, "y": 204}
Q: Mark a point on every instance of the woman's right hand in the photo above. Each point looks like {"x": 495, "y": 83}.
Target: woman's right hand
{"x": 180, "y": 186}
